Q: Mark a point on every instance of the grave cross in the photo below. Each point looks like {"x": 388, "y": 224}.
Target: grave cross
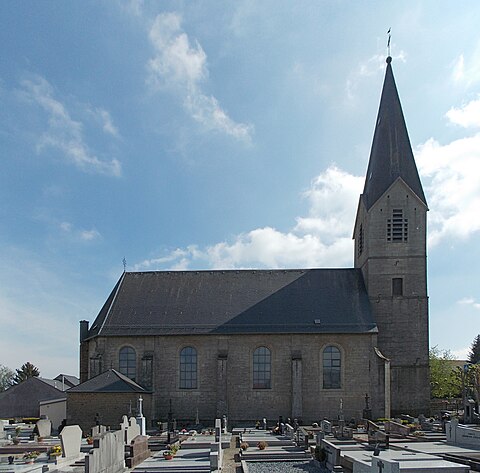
{"x": 380, "y": 465}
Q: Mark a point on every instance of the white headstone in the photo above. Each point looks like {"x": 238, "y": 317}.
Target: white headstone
{"x": 132, "y": 431}
{"x": 2, "y": 430}
{"x": 108, "y": 455}
{"x": 44, "y": 427}
{"x": 71, "y": 438}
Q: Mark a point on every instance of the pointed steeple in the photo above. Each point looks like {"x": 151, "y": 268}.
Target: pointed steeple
{"x": 391, "y": 155}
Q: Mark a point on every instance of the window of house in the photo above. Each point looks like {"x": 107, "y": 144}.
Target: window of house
{"x": 332, "y": 365}
{"x": 262, "y": 368}
{"x": 127, "y": 362}
{"x": 397, "y": 287}
{"x": 397, "y": 227}
{"x": 188, "y": 368}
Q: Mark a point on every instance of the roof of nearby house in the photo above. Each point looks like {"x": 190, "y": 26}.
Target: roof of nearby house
{"x": 22, "y": 400}
{"x": 247, "y": 301}
{"x": 68, "y": 379}
{"x": 110, "y": 381}
{"x": 391, "y": 156}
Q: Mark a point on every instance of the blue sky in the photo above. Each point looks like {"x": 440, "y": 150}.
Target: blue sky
{"x": 192, "y": 135}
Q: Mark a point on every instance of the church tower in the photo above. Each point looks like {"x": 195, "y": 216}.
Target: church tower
{"x": 390, "y": 249}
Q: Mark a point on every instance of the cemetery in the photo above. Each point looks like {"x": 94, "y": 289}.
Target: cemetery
{"x": 405, "y": 445}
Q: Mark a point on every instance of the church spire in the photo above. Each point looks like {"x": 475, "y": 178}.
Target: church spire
{"x": 391, "y": 155}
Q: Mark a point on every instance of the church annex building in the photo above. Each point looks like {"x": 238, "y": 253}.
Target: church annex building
{"x": 250, "y": 344}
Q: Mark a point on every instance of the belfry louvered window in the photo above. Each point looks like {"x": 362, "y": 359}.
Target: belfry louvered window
{"x": 360, "y": 240}
{"x": 397, "y": 227}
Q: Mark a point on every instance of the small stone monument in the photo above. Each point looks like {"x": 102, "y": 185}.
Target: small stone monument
{"x": 264, "y": 423}
{"x": 367, "y": 412}
{"x": 140, "y": 419}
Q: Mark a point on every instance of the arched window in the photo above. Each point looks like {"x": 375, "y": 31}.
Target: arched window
{"x": 127, "y": 362}
{"x": 262, "y": 368}
{"x": 188, "y": 368}
{"x": 332, "y": 366}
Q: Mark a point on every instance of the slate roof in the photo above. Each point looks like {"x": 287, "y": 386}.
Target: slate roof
{"x": 68, "y": 379}
{"x": 110, "y": 381}
{"x": 391, "y": 156}
{"x": 236, "y": 302}
{"x": 55, "y": 383}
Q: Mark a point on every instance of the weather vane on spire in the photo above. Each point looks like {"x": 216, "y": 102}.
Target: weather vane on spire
{"x": 124, "y": 261}
{"x": 389, "y": 38}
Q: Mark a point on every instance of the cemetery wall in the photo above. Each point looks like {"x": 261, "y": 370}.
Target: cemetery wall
{"x": 82, "y": 408}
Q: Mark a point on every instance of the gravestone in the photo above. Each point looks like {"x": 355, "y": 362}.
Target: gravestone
{"x": 326, "y": 426}
{"x": 140, "y": 418}
{"x": 333, "y": 454}
{"x": 380, "y": 465}
{"x": 264, "y": 423}
{"x": 71, "y": 438}
{"x": 44, "y": 427}
{"x": 132, "y": 430}
{"x": 107, "y": 454}
{"x": 224, "y": 423}
{"x": 461, "y": 434}
{"x": 137, "y": 451}
{"x": 98, "y": 430}
{"x": 218, "y": 430}
{"x": 2, "y": 430}
{"x": 319, "y": 437}
{"x": 367, "y": 412}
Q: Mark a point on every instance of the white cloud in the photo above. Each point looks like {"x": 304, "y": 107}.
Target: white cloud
{"x": 461, "y": 353}
{"x": 105, "y": 120}
{"x": 470, "y": 301}
{"x": 452, "y": 181}
{"x": 64, "y": 133}
{"x": 178, "y": 65}
{"x": 82, "y": 234}
{"x": 374, "y": 65}
{"x": 466, "y": 73}
{"x": 467, "y": 116}
{"x": 323, "y": 239}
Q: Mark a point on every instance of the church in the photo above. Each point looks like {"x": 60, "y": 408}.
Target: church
{"x": 298, "y": 343}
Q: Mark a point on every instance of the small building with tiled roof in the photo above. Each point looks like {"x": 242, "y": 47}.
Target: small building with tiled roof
{"x": 298, "y": 343}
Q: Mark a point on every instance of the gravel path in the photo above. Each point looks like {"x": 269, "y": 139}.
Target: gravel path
{"x": 283, "y": 467}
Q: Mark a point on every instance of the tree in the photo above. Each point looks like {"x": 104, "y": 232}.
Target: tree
{"x": 6, "y": 377}
{"x": 474, "y": 355}
{"x": 444, "y": 380}
{"x": 26, "y": 371}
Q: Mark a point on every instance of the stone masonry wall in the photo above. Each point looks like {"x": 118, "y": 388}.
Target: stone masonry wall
{"x": 359, "y": 375}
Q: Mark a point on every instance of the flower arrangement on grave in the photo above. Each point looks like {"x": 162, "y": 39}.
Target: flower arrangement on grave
{"x": 171, "y": 452}
{"x": 55, "y": 451}
{"x": 90, "y": 440}
{"x": 31, "y": 455}
{"x": 244, "y": 445}
{"x": 262, "y": 445}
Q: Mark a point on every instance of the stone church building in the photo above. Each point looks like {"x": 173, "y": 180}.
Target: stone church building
{"x": 262, "y": 343}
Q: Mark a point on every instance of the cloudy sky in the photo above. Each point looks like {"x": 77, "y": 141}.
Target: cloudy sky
{"x": 197, "y": 135}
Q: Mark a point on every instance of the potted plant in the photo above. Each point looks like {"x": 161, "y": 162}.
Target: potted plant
{"x": 244, "y": 445}
{"x": 55, "y": 452}
{"x": 168, "y": 455}
{"x": 30, "y": 456}
{"x": 262, "y": 445}
{"x": 90, "y": 440}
